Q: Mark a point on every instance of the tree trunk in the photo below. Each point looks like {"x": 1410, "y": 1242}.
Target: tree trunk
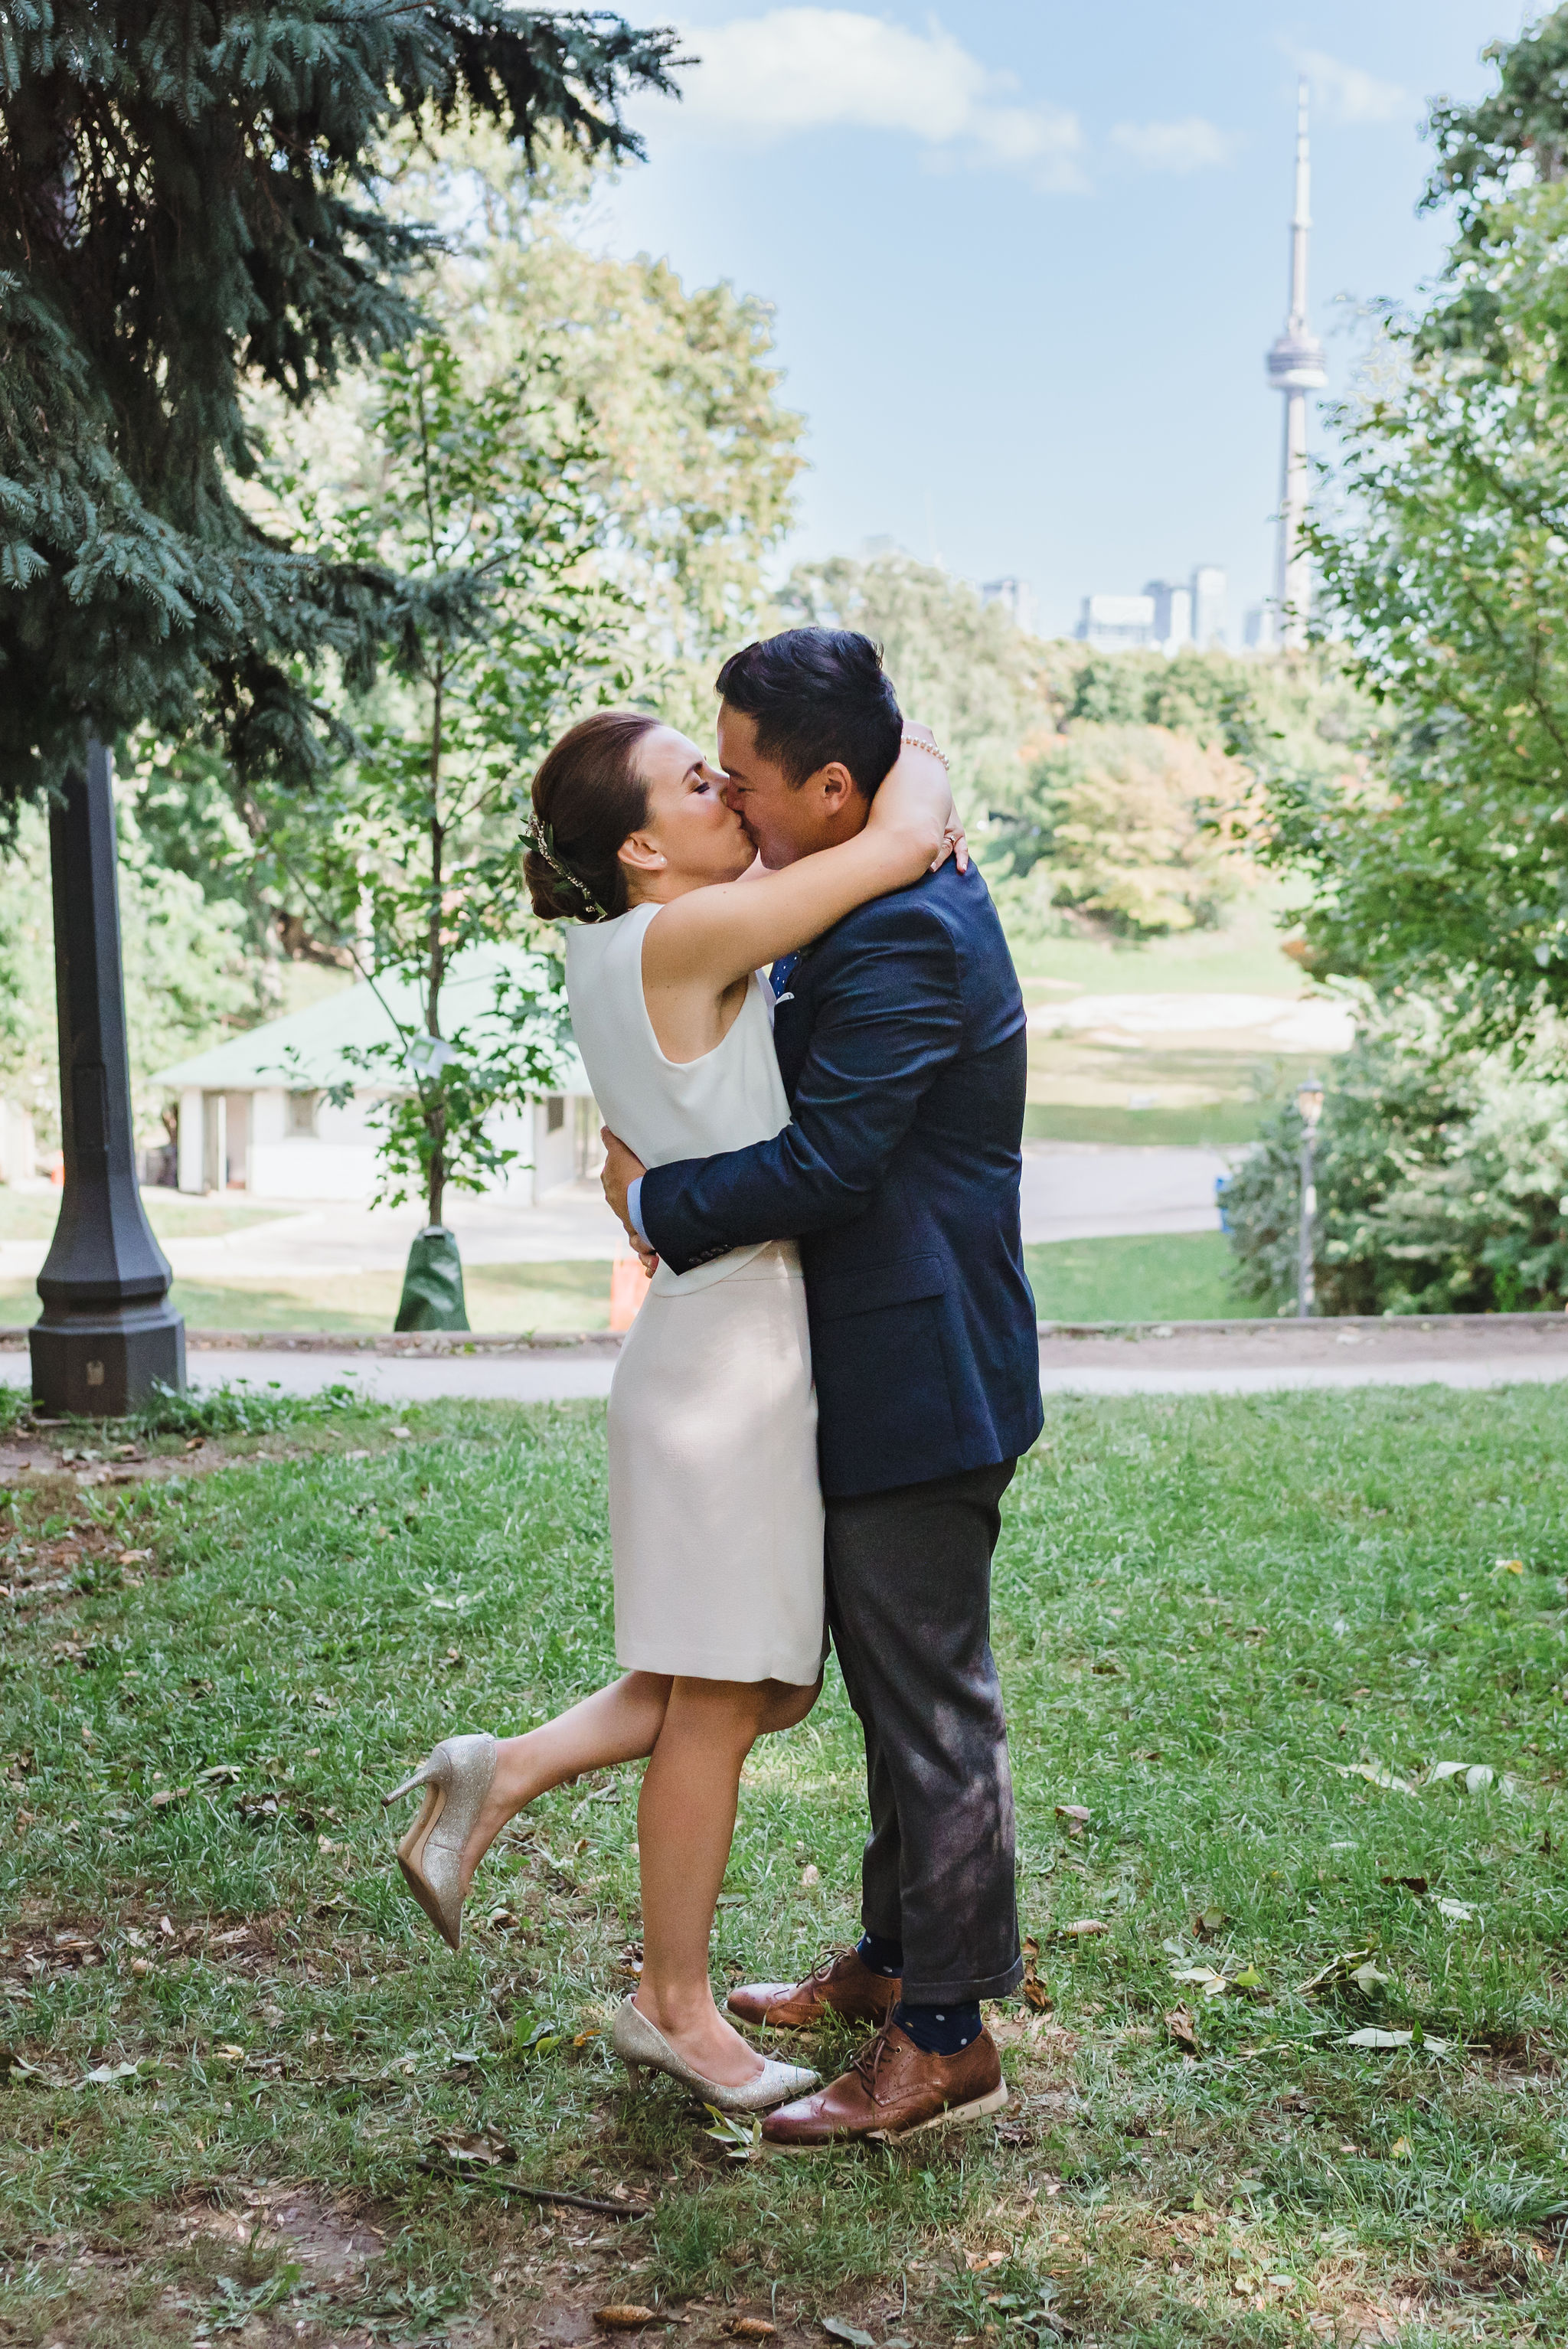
{"x": 107, "y": 1334}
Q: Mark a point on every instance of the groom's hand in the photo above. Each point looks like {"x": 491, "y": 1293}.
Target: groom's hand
{"x": 620, "y": 1170}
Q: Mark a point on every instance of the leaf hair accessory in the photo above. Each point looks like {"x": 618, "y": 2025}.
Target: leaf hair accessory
{"x": 540, "y": 836}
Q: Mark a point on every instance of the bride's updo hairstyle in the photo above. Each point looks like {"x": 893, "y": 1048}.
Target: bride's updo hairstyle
{"x": 587, "y": 797}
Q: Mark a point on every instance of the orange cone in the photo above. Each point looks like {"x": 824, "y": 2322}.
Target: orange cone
{"x": 628, "y": 1286}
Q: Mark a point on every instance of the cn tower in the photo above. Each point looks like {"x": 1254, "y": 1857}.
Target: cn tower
{"x": 1296, "y": 368}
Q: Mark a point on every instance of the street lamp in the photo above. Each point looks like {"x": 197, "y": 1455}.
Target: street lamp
{"x": 107, "y": 1334}
{"x": 1309, "y": 1102}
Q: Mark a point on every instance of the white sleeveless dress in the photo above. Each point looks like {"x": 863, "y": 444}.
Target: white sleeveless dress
{"x": 715, "y": 1512}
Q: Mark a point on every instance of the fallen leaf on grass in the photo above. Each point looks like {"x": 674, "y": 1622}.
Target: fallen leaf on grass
{"x": 476, "y": 2152}
{"x": 843, "y": 2330}
{"x": 1032, "y": 1988}
{"x": 1374, "y": 2038}
{"x": 810, "y": 1874}
{"x": 1373, "y": 1774}
{"x": 168, "y": 1796}
{"x": 753, "y": 2328}
{"x": 104, "y": 2076}
{"x": 1419, "y": 1885}
{"x": 1181, "y": 2023}
{"x": 1337, "y": 1969}
{"x": 1400, "y": 2149}
{"x": 1458, "y": 1912}
{"x": 1508, "y": 1565}
{"x": 1076, "y": 1816}
{"x": 622, "y": 2316}
{"x": 221, "y": 1773}
{"x": 978, "y": 2261}
{"x": 1083, "y": 1929}
{"x": 1214, "y": 1984}
{"x": 1477, "y": 1775}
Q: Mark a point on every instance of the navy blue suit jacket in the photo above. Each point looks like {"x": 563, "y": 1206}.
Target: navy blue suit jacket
{"x": 901, "y": 1039}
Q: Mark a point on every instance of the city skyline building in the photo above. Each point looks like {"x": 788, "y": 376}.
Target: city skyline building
{"x": 1295, "y": 368}
{"x": 1209, "y": 589}
{"x": 1173, "y": 614}
{"x": 1169, "y": 616}
{"x": 1017, "y": 598}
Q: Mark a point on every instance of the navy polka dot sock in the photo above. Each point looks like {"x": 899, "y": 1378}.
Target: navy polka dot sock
{"x": 882, "y": 1956}
{"x": 939, "y": 2030}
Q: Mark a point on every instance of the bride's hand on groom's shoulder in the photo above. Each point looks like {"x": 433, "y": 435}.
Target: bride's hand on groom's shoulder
{"x": 954, "y": 841}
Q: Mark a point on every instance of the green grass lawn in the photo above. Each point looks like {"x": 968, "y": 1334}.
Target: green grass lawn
{"x": 1241, "y": 1634}
{"x": 1150, "y": 1277}
{"x": 511, "y": 1297}
{"x": 31, "y": 1213}
{"x": 1245, "y": 957}
{"x": 1181, "y": 1277}
{"x": 1210, "y": 1125}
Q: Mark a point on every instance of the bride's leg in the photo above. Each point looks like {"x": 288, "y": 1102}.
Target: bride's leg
{"x": 685, "y": 1823}
{"x": 618, "y": 1723}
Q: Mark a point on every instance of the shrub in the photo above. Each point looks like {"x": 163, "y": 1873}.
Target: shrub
{"x": 1114, "y": 820}
{"x": 1440, "y": 1179}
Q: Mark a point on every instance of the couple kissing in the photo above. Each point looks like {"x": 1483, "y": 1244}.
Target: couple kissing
{"x": 800, "y": 1018}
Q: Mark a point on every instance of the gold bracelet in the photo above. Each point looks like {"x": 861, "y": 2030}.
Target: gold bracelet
{"x": 913, "y": 743}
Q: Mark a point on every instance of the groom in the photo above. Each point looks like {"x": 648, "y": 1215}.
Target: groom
{"x": 901, "y": 1040}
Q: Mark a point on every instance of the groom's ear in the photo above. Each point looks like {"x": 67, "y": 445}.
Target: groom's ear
{"x": 833, "y": 785}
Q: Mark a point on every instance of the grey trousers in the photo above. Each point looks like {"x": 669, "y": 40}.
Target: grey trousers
{"x": 909, "y": 1603}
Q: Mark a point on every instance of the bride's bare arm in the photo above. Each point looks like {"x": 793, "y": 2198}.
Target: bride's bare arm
{"x": 717, "y": 936}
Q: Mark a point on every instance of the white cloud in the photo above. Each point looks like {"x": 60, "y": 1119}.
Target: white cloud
{"x": 1189, "y": 145}
{"x": 1346, "y": 94}
{"x": 798, "y": 70}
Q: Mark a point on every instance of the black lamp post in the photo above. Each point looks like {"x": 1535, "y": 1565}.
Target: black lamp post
{"x": 1309, "y": 1100}
{"x": 108, "y": 1333}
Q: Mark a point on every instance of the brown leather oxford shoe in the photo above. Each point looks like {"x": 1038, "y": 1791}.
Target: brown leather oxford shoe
{"x": 845, "y": 1986}
{"x": 892, "y": 2089}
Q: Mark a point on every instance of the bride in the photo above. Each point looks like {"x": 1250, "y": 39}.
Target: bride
{"x": 716, "y": 1515}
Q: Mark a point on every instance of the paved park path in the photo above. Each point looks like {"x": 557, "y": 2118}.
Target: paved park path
{"x": 1180, "y": 1358}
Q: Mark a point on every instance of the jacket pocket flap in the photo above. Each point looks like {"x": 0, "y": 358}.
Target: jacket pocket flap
{"x": 912, "y": 1278}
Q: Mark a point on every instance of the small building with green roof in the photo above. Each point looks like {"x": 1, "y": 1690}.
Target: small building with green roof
{"x": 255, "y": 1114}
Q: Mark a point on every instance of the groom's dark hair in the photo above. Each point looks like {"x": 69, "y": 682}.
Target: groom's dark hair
{"x": 816, "y": 694}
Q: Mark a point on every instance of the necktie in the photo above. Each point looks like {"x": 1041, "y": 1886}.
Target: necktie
{"x": 783, "y": 971}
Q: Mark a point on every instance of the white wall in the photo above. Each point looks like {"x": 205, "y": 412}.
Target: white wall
{"x": 18, "y": 1157}
{"x": 339, "y": 1160}
{"x": 188, "y": 1157}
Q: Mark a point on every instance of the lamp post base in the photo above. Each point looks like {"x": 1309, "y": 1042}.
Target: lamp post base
{"x": 103, "y": 1365}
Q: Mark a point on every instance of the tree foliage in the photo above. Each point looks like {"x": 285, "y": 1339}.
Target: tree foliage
{"x": 411, "y": 852}
{"x": 1441, "y": 1178}
{"x": 1440, "y": 859}
{"x": 189, "y": 977}
{"x": 189, "y": 202}
{"x": 696, "y": 456}
{"x": 1121, "y": 822}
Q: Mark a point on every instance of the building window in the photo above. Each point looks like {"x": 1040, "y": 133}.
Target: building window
{"x": 302, "y": 1113}
{"x": 555, "y": 1113}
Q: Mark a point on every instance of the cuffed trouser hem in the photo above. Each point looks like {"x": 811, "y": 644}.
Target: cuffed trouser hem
{"x": 961, "y": 1993}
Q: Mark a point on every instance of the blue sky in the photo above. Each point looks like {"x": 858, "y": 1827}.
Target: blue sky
{"x": 1026, "y": 259}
